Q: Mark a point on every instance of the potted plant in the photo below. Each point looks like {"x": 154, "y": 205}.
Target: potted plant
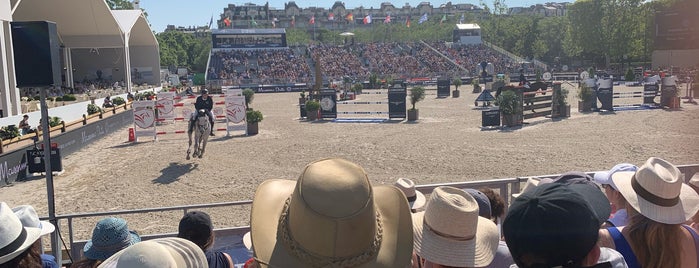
{"x": 357, "y": 88}
{"x": 510, "y": 107}
{"x": 249, "y": 96}
{"x": 253, "y": 118}
{"x": 457, "y": 83}
{"x": 312, "y": 107}
{"x": 476, "y": 85}
{"x": 562, "y": 108}
{"x": 416, "y": 94}
{"x": 585, "y": 98}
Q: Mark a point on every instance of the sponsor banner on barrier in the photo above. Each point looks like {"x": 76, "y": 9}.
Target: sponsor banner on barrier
{"x": 144, "y": 118}
{"x": 235, "y": 111}
{"x": 166, "y": 105}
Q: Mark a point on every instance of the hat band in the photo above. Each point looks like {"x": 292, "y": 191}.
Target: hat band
{"x": 15, "y": 244}
{"x": 447, "y": 236}
{"x": 650, "y": 197}
{"x": 315, "y": 260}
{"x": 412, "y": 198}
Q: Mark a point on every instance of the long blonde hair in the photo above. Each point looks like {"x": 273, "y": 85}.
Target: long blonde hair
{"x": 647, "y": 236}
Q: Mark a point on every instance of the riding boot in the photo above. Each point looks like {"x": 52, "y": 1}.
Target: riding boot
{"x": 212, "y": 128}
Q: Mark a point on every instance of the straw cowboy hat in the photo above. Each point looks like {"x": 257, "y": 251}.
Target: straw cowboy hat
{"x": 656, "y": 190}
{"x": 172, "y": 252}
{"x": 330, "y": 217}
{"x": 416, "y": 199}
{"x": 451, "y": 233}
{"x": 28, "y": 216}
{"x": 14, "y": 237}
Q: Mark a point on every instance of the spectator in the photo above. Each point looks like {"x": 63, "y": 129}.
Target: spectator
{"x": 18, "y": 247}
{"x": 172, "y": 252}
{"x": 694, "y": 183}
{"x": 27, "y": 215}
{"x": 24, "y": 127}
{"x": 594, "y": 196}
{"x": 604, "y": 178}
{"x": 483, "y": 202}
{"x": 108, "y": 237}
{"x": 658, "y": 202}
{"x": 497, "y": 204}
{"x": 555, "y": 226}
{"x": 416, "y": 199}
{"x": 107, "y": 103}
{"x": 331, "y": 217}
{"x": 196, "y": 226}
{"x": 449, "y": 233}
{"x": 502, "y": 257}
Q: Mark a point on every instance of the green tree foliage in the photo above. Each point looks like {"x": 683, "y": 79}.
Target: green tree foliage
{"x": 181, "y": 49}
{"x": 119, "y": 4}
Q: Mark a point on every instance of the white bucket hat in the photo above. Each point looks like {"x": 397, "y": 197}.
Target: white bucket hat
{"x": 657, "y": 191}
{"x": 605, "y": 177}
{"x": 14, "y": 237}
{"x": 451, "y": 233}
{"x": 415, "y": 198}
{"x": 29, "y": 218}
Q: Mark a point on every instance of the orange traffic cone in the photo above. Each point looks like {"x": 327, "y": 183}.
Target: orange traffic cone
{"x": 132, "y": 135}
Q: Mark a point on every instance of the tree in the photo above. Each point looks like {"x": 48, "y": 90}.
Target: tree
{"x": 119, "y": 4}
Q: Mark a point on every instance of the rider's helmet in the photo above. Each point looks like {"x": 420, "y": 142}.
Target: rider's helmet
{"x": 204, "y": 91}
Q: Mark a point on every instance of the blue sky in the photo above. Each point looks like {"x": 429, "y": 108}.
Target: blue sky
{"x": 198, "y": 13}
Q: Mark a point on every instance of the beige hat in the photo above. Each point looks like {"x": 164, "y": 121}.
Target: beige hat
{"x": 172, "y": 252}
{"x": 331, "y": 216}
{"x": 656, "y": 190}
{"x": 531, "y": 184}
{"x": 416, "y": 199}
{"x": 451, "y": 233}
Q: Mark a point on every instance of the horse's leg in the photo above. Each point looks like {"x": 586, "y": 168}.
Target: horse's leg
{"x": 189, "y": 146}
{"x": 197, "y": 142}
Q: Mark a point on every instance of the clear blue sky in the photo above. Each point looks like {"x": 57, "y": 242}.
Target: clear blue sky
{"x": 198, "y": 13}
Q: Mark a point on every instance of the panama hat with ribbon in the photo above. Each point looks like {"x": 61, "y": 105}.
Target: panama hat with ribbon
{"x": 657, "y": 191}
{"x": 330, "y": 217}
{"x": 415, "y": 198}
{"x": 14, "y": 237}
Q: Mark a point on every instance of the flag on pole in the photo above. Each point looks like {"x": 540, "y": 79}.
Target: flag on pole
{"x": 331, "y": 16}
{"x": 312, "y": 20}
{"x": 461, "y": 20}
{"x": 387, "y": 19}
{"x": 444, "y": 18}
{"x": 367, "y": 19}
{"x": 350, "y": 17}
{"x": 422, "y": 19}
{"x": 407, "y": 22}
{"x": 227, "y": 21}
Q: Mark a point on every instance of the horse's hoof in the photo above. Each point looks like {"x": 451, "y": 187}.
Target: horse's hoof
{"x": 200, "y": 156}
{"x": 187, "y": 157}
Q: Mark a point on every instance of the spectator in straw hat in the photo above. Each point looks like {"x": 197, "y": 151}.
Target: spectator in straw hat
{"x": 604, "y": 178}
{"x": 18, "y": 244}
{"x": 449, "y": 233}
{"x": 330, "y": 217}
{"x": 658, "y": 202}
{"x": 171, "y": 252}
{"x": 554, "y": 225}
{"x": 108, "y": 237}
{"x": 196, "y": 226}
{"x": 29, "y": 218}
{"x": 416, "y": 199}
{"x": 694, "y": 221}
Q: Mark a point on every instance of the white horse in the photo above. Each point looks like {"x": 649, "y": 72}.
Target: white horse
{"x": 201, "y": 130}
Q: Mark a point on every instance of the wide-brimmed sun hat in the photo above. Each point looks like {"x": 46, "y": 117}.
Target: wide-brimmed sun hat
{"x": 14, "y": 237}
{"x": 29, "y": 218}
{"x": 171, "y": 252}
{"x": 657, "y": 191}
{"x": 605, "y": 177}
{"x": 416, "y": 199}
{"x": 451, "y": 233}
{"x": 108, "y": 237}
{"x": 331, "y": 216}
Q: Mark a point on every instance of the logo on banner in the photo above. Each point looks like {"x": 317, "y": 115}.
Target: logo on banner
{"x": 144, "y": 117}
{"x": 235, "y": 112}
{"x": 327, "y": 104}
{"x": 166, "y": 105}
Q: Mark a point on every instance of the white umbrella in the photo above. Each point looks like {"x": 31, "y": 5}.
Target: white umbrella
{"x": 347, "y": 34}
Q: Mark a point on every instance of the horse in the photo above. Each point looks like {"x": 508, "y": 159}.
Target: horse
{"x": 526, "y": 98}
{"x": 201, "y": 130}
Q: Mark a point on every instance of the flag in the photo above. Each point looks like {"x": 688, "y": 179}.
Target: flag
{"x": 422, "y": 19}
{"x": 350, "y": 17}
{"x": 211, "y": 21}
{"x": 331, "y": 16}
{"x": 387, "y": 19}
{"x": 461, "y": 20}
{"x": 407, "y": 22}
{"x": 227, "y": 21}
{"x": 293, "y": 20}
{"x": 312, "y": 20}
{"x": 367, "y": 19}
{"x": 444, "y": 18}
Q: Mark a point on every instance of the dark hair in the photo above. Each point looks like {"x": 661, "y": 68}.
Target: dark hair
{"x": 497, "y": 203}
{"x": 30, "y": 258}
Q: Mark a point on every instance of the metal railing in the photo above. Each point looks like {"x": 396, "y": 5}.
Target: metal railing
{"x": 506, "y": 188}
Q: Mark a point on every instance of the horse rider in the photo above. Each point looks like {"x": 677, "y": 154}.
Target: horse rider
{"x": 523, "y": 79}
{"x": 206, "y": 103}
